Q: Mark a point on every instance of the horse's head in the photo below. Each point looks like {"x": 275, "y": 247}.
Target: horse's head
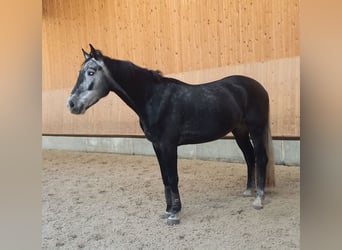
{"x": 92, "y": 83}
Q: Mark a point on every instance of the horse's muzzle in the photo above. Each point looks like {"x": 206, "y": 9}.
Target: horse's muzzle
{"x": 70, "y": 104}
{"x": 74, "y": 108}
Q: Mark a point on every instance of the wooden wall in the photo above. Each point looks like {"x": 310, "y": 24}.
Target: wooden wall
{"x": 195, "y": 41}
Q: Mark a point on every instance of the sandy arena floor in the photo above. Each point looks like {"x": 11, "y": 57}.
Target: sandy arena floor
{"x": 108, "y": 201}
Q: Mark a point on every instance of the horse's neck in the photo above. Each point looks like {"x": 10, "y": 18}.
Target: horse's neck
{"x": 128, "y": 85}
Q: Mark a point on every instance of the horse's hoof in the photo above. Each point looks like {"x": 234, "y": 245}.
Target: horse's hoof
{"x": 257, "y": 204}
{"x": 173, "y": 219}
{"x": 247, "y": 193}
{"x": 165, "y": 215}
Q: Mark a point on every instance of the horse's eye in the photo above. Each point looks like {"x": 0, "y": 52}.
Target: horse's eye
{"x": 90, "y": 73}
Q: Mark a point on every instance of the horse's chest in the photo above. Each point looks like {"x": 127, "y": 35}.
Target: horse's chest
{"x": 150, "y": 132}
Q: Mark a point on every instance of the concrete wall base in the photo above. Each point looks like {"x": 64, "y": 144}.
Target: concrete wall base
{"x": 286, "y": 152}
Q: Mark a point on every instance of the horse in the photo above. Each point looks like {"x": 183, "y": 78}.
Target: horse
{"x": 174, "y": 113}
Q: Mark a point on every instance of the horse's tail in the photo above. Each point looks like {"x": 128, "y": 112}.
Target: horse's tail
{"x": 270, "y": 175}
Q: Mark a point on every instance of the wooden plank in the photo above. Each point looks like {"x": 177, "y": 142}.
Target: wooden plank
{"x": 175, "y": 36}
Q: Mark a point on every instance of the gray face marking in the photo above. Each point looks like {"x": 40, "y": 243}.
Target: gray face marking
{"x": 91, "y": 86}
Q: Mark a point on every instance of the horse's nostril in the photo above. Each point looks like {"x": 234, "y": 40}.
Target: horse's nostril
{"x": 71, "y": 104}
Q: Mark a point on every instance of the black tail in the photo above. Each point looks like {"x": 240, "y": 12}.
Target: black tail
{"x": 270, "y": 175}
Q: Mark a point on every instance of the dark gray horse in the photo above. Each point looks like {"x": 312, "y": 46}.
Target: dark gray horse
{"x": 174, "y": 113}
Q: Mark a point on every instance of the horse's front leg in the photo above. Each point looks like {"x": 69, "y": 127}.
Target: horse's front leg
{"x": 167, "y": 158}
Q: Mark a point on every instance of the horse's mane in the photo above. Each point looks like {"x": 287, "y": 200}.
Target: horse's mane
{"x": 156, "y": 74}
{"x": 129, "y": 69}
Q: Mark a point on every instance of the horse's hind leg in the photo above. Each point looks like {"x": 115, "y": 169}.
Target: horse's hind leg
{"x": 258, "y": 138}
{"x": 241, "y": 135}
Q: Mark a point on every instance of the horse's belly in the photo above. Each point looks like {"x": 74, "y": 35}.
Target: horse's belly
{"x": 200, "y": 138}
{"x": 205, "y": 130}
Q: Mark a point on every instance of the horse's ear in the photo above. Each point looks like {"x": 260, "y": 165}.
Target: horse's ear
{"x": 95, "y": 53}
{"x": 92, "y": 49}
{"x": 86, "y": 55}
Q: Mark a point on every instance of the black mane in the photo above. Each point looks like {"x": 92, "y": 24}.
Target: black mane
{"x": 129, "y": 70}
{"x": 157, "y": 74}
